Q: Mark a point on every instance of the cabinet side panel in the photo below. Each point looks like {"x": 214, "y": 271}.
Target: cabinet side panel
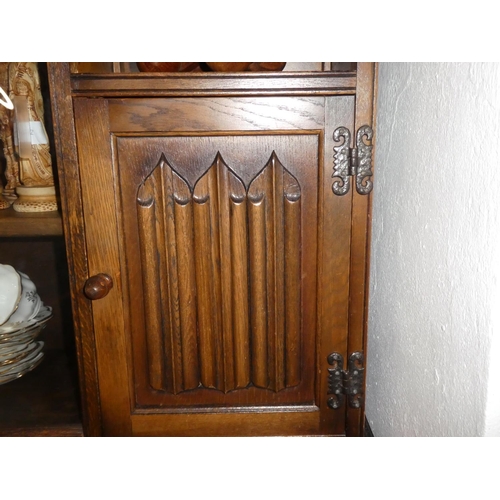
{"x": 361, "y": 206}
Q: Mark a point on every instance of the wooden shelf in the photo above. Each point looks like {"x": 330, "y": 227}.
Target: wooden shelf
{"x": 43, "y": 402}
{"x": 13, "y": 223}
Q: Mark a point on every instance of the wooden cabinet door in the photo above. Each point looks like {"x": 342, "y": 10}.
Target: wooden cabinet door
{"x": 229, "y": 256}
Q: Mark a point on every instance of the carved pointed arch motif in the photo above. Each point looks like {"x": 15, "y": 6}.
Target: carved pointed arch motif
{"x": 223, "y": 256}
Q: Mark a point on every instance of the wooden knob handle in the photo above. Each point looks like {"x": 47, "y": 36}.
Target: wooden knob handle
{"x": 98, "y": 286}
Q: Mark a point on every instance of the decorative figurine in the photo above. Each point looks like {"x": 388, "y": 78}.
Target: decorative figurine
{"x": 35, "y": 184}
{"x": 7, "y": 192}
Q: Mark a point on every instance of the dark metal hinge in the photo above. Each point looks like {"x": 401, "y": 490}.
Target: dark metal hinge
{"x": 353, "y": 162}
{"x": 345, "y": 382}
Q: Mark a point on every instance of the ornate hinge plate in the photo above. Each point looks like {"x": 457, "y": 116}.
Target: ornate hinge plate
{"x": 345, "y": 382}
{"x": 352, "y": 162}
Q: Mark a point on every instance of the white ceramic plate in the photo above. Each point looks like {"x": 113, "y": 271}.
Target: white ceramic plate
{"x": 21, "y": 356}
{"x": 24, "y": 336}
{"x": 44, "y": 314}
{"x": 9, "y": 351}
{"x": 13, "y": 376}
{"x": 10, "y": 291}
{"x": 24, "y": 362}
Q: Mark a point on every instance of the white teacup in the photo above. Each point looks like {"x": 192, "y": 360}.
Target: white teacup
{"x": 29, "y": 303}
{"x": 10, "y": 291}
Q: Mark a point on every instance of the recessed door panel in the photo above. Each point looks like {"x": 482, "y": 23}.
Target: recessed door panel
{"x": 220, "y": 245}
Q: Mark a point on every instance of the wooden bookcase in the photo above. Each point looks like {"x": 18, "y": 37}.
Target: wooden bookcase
{"x": 91, "y": 352}
{"x": 45, "y": 401}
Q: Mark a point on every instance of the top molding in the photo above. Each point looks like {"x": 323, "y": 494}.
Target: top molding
{"x": 210, "y": 84}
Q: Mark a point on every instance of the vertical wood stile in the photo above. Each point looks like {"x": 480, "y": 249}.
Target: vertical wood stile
{"x": 187, "y": 283}
{"x": 203, "y": 206}
{"x": 292, "y": 212}
{"x": 147, "y": 215}
{"x": 239, "y": 256}
{"x": 258, "y": 286}
{"x": 173, "y": 284}
{"x": 279, "y": 283}
{"x": 224, "y": 191}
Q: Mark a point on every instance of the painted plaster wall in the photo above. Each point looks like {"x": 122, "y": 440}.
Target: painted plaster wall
{"x": 434, "y": 319}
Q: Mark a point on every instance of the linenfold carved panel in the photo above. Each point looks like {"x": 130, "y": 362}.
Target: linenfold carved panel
{"x": 224, "y": 257}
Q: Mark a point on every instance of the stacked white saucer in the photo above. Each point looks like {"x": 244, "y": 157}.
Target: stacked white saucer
{"x": 22, "y": 317}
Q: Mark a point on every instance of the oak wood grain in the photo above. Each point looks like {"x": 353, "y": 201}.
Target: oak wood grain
{"x": 305, "y": 423}
{"x": 101, "y": 242}
{"x": 170, "y": 287}
{"x": 208, "y": 325}
{"x": 229, "y": 242}
{"x": 291, "y": 286}
{"x": 227, "y": 184}
{"x": 361, "y": 210}
{"x": 14, "y": 224}
{"x": 76, "y": 249}
{"x": 214, "y": 85}
{"x": 212, "y": 292}
{"x": 187, "y": 294}
{"x": 151, "y": 239}
{"x": 334, "y": 226}
{"x": 228, "y": 114}
{"x": 239, "y": 279}
{"x": 258, "y": 287}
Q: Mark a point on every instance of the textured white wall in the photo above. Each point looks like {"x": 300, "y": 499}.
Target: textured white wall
{"x": 434, "y": 321}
